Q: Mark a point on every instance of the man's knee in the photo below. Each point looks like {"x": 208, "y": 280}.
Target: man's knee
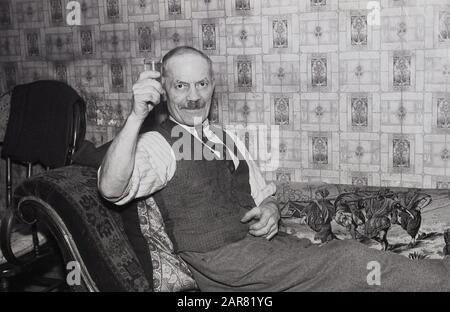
{"x": 342, "y": 245}
{"x": 351, "y": 249}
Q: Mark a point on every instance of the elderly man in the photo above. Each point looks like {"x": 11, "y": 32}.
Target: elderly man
{"x": 219, "y": 212}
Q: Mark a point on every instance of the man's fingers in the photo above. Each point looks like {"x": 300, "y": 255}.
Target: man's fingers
{"x": 146, "y": 90}
{"x": 266, "y": 224}
{"x": 251, "y": 214}
{"x": 273, "y": 231}
{"x": 263, "y": 230}
{"x": 263, "y": 222}
{"x": 149, "y": 74}
{"x": 146, "y": 85}
{"x": 151, "y": 97}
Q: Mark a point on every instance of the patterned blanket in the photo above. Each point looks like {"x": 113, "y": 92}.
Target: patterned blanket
{"x": 407, "y": 221}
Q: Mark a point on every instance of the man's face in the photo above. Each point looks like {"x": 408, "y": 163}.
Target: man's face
{"x": 189, "y": 88}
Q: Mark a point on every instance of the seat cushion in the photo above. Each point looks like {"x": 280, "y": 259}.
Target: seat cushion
{"x": 170, "y": 272}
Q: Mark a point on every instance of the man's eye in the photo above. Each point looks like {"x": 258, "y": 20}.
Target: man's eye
{"x": 179, "y": 86}
{"x": 202, "y": 84}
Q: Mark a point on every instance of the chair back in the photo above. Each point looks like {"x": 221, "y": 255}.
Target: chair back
{"x": 46, "y": 124}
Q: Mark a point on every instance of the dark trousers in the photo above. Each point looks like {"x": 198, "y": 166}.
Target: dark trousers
{"x": 287, "y": 263}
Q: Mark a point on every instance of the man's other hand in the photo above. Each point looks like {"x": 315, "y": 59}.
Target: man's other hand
{"x": 265, "y": 217}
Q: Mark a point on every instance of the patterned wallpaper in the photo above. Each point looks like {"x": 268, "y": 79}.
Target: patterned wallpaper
{"x": 360, "y": 89}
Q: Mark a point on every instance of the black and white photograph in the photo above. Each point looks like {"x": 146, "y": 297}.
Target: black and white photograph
{"x": 224, "y": 146}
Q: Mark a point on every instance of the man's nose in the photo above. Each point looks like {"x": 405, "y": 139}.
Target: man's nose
{"x": 193, "y": 95}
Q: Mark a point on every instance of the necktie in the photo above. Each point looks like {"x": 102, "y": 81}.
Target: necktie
{"x": 220, "y": 147}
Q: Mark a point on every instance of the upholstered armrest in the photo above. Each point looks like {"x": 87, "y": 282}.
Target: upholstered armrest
{"x": 88, "y": 229}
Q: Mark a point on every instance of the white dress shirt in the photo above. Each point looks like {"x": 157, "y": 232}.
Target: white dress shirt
{"x": 155, "y": 165}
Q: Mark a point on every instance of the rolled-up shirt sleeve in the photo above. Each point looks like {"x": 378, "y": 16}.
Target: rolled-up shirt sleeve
{"x": 260, "y": 189}
{"x": 154, "y": 166}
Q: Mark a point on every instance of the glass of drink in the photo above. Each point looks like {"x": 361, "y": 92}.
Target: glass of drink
{"x": 153, "y": 63}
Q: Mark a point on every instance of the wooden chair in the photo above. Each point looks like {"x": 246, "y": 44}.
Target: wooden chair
{"x": 39, "y": 248}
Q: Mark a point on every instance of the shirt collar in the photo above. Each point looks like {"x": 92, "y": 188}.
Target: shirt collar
{"x": 192, "y": 129}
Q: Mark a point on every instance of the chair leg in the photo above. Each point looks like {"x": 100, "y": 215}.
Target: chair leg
{"x": 8, "y": 183}
{"x": 4, "y": 284}
{"x": 34, "y": 225}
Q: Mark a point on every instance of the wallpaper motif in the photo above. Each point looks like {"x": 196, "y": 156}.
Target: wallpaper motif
{"x": 360, "y": 89}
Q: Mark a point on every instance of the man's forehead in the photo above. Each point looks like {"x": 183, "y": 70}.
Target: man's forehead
{"x": 190, "y": 80}
{"x": 188, "y": 54}
{"x": 189, "y": 65}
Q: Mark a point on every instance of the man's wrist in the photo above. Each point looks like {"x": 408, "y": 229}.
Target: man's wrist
{"x": 135, "y": 119}
{"x": 270, "y": 200}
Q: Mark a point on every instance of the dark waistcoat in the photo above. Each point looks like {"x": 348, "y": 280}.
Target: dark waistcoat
{"x": 203, "y": 203}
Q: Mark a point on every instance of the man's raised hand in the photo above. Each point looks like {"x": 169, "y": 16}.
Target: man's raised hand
{"x": 147, "y": 92}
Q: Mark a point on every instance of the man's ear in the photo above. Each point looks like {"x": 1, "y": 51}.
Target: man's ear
{"x": 163, "y": 84}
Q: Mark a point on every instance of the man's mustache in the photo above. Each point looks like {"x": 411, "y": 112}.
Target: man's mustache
{"x": 193, "y": 105}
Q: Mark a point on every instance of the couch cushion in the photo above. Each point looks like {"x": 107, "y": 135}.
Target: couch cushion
{"x": 170, "y": 272}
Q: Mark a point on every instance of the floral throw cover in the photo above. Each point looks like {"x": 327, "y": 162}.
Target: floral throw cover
{"x": 408, "y": 221}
